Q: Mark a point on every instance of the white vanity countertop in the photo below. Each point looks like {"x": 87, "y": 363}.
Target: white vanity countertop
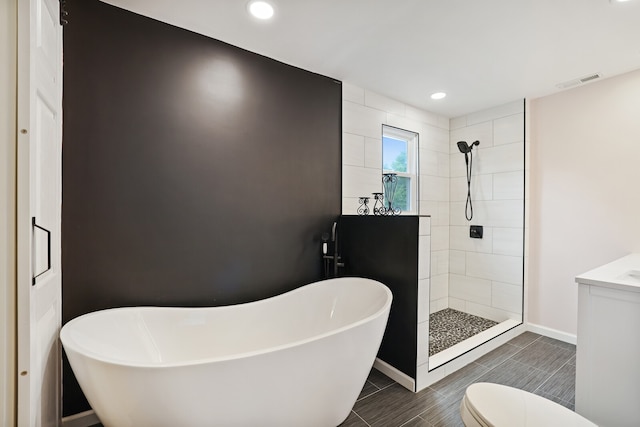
{"x": 623, "y": 273}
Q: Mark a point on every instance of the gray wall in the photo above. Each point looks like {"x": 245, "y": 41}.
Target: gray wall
{"x": 194, "y": 173}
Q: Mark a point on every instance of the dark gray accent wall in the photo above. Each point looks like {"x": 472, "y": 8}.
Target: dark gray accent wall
{"x": 194, "y": 173}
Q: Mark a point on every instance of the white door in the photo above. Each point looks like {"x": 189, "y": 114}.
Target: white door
{"x": 39, "y": 180}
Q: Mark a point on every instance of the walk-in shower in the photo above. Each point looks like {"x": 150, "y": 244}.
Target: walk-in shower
{"x": 456, "y": 273}
{"x": 479, "y": 293}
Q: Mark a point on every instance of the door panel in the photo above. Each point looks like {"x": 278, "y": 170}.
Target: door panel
{"x": 39, "y": 208}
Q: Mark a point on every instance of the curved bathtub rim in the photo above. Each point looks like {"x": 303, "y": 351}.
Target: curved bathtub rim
{"x": 150, "y": 365}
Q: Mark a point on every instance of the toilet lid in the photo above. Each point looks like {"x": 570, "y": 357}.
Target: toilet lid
{"x": 501, "y": 406}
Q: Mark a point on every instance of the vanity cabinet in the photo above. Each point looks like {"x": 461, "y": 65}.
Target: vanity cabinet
{"x": 608, "y": 344}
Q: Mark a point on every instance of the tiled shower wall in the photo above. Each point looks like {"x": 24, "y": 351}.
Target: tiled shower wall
{"x": 486, "y": 276}
{"x": 363, "y": 114}
{"x": 478, "y": 276}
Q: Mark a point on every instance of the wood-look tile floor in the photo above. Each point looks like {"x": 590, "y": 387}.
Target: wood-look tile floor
{"x": 530, "y": 362}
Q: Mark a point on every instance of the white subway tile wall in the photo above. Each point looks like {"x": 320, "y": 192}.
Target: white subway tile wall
{"x": 363, "y": 114}
{"x": 372, "y": 152}
{"x": 470, "y": 288}
{"x": 490, "y": 213}
{"x": 353, "y": 150}
{"x": 508, "y": 185}
{"x": 486, "y": 277}
{"x": 424, "y": 259}
{"x": 508, "y": 129}
{"x": 439, "y": 292}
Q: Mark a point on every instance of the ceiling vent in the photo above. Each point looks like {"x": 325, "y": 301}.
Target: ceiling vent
{"x": 579, "y": 81}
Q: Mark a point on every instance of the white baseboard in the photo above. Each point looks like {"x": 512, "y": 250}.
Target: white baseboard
{"x": 82, "y": 419}
{"x": 398, "y": 376}
{"x": 552, "y": 333}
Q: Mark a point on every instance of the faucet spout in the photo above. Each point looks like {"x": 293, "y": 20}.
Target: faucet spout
{"x": 336, "y": 256}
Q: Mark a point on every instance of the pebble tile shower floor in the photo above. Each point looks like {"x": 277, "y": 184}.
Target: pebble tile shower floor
{"x": 448, "y": 327}
{"x": 530, "y": 362}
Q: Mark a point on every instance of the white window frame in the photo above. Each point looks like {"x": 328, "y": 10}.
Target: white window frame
{"x": 412, "y": 139}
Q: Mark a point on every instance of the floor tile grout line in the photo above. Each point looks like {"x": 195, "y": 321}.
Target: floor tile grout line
{"x": 487, "y": 369}
{"x": 408, "y": 421}
{"x": 434, "y": 403}
{"x": 375, "y": 392}
{"x": 525, "y": 364}
{"x": 444, "y": 396}
{"x": 522, "y": 348}
{"x": 363, "y": 420}
{"x": 528, "y": 366}
{"x": 387, "y": 386}
{"x": 551, "y": 375}
{"x": 369, "y": 395}
{"x": 430, "y": 424}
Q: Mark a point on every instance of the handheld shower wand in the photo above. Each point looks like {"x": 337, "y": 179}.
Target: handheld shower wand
{"x": 468, "y": 159}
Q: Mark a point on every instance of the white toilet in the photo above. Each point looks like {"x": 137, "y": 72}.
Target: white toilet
{"x": 495, "y": 405}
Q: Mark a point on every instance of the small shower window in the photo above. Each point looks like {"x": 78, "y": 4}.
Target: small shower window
{"x": 399, "y": 155}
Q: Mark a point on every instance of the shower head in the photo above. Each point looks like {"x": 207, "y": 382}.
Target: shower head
{"x": 465, "y": 148}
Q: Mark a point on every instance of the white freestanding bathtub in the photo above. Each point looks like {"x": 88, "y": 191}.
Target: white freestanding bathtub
{"x": 299, "y": 359}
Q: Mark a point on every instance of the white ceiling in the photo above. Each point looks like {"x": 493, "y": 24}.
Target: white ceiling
{"x": 483, "y": 53}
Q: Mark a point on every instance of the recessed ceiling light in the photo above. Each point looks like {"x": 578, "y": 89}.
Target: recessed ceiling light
{"x": 438, "y": 95}
{"x": 261, "y": 9}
